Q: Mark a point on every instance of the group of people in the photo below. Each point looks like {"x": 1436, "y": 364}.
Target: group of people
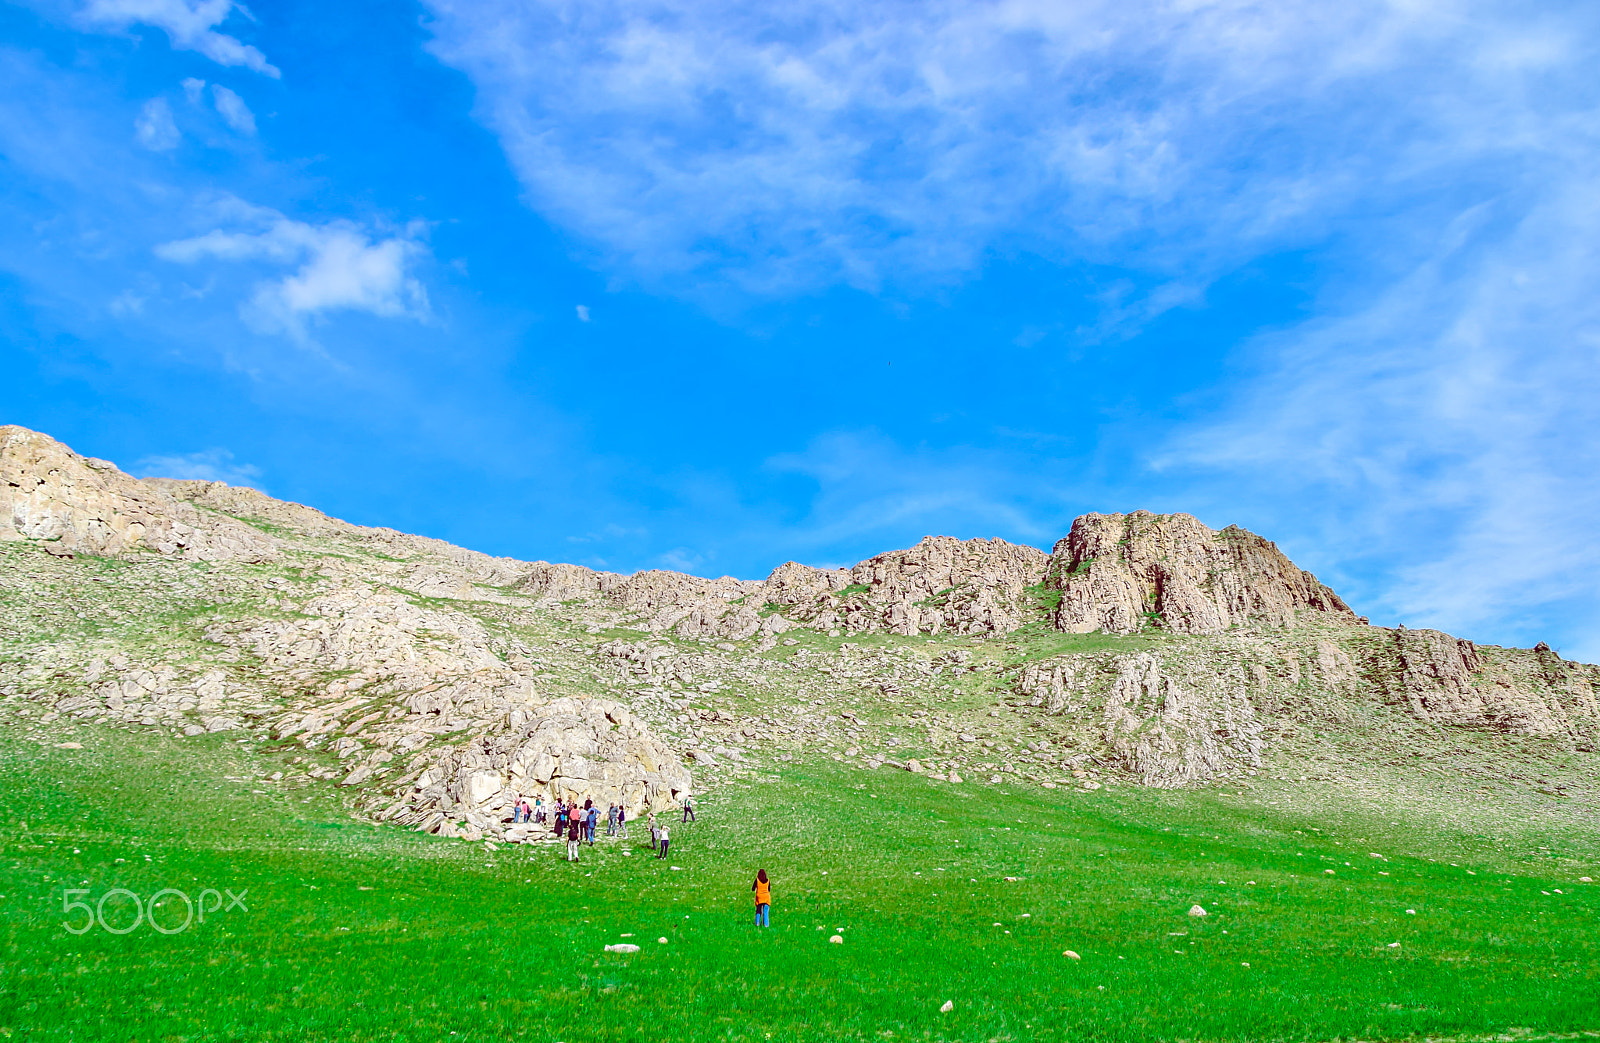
{"x": 578, "y": 824}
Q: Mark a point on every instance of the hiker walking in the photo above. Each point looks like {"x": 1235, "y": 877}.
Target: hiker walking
{"x": 572, "y": 838}
{"x": 611, "y": 820}
{"x": 655, "y": 831}
{"x": 622, "y": 821}
{"x": 538, "y": 809}
{"x": 594, "y": 816}
{"x": 665, "y": 840}
{"x": 688, "y": 810}
{"x": 763, "y": 890}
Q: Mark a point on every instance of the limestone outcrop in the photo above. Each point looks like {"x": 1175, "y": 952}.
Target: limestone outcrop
{"x": 941, "y": 585}
{"x": 1171, "y": 720}
{"x": 1118, "y": 572}
{"x": 1445, "y": 680}
{"x": 74, "y": 504}
{"x": 571, "y": 749}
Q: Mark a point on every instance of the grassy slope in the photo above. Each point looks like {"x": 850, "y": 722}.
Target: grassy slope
{"x": 508, "y": 945}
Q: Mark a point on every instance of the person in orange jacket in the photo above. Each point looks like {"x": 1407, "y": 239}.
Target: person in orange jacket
{"x": 763, "y": 891}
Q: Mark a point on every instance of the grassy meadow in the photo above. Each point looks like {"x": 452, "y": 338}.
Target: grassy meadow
{"x": 356, "y": 932}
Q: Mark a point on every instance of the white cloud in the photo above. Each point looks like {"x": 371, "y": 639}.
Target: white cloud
{"x": 828, "y": 141}
{"x": 583, "y": 313}
{"x": 209, "y": 465}
{"x": 233, "y": 110}
{"x": 154, "y": 128}
{"x": 189, "y": 24}
{"x": 193, "y": 89}
{"x": 341, "y": 266}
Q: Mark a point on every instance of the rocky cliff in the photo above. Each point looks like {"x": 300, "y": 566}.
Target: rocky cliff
{"x": 1122, "y": 572}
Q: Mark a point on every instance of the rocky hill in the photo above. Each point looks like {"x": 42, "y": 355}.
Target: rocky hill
{"x": 436, "y": 685}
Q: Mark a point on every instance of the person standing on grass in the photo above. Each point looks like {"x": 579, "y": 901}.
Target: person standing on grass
{"x": 594, "y": 818}
{"x": 611, "y": 820}
{"x": 688, "y": 810}
{"x": 572, "y": 838}
{"x": 622, "y": 821}
{"x": 763, "y": 890}
{"x": 665, "y": 840}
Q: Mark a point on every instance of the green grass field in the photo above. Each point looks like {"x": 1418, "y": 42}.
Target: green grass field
{"x": 354, "y": 932}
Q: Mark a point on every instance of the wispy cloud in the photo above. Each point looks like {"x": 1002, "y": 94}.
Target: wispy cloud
{"x": 826, "y": 141}
{"x": 1447, "y": 431}
{"x": 189, "y": 24}
{"x": 234, "y": 112}
{"x": 341, "y": 266}
{"x": 209, "y": 465}
{"x": 155, "y": 128}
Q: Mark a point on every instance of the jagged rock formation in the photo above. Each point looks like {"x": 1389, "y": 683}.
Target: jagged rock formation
{"x": 1449, "y": 681}
{"x": 1120, "y": 572}
{"x": 940, "y": 585}
{"x": 79, "y": 505}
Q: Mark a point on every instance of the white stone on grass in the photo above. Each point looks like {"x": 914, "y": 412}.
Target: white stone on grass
{"x": 837, "y": 939}
{"x": 949, "y": 1005}
{"x": 1069, "y": 954}
{"x": 663, "y": 941}
{"x": 622, "y": 947}
{"x": 1195, "y": 910}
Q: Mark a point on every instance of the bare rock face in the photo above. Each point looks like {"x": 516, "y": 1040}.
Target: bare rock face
{"x": 940, "y": 585}
{"x": 571, "y": 748}
{"x": 1449, "y": 681}
{"x": 1171, "y": 721}
{"x": 1175, "y": 725}
{"x": 78, "y": 505}
{"x": 1116, "y": 571}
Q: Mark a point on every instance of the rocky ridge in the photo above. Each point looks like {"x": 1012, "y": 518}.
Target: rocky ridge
{"x": 435, "y": 685}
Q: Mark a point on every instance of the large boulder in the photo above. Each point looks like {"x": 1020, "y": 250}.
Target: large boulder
{"x": 571, "y": 748}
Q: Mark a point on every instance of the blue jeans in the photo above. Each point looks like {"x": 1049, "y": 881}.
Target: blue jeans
{"x": 761, "y": 914}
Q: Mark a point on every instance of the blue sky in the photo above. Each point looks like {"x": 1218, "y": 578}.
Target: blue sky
{"x": 712, "y": 286}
